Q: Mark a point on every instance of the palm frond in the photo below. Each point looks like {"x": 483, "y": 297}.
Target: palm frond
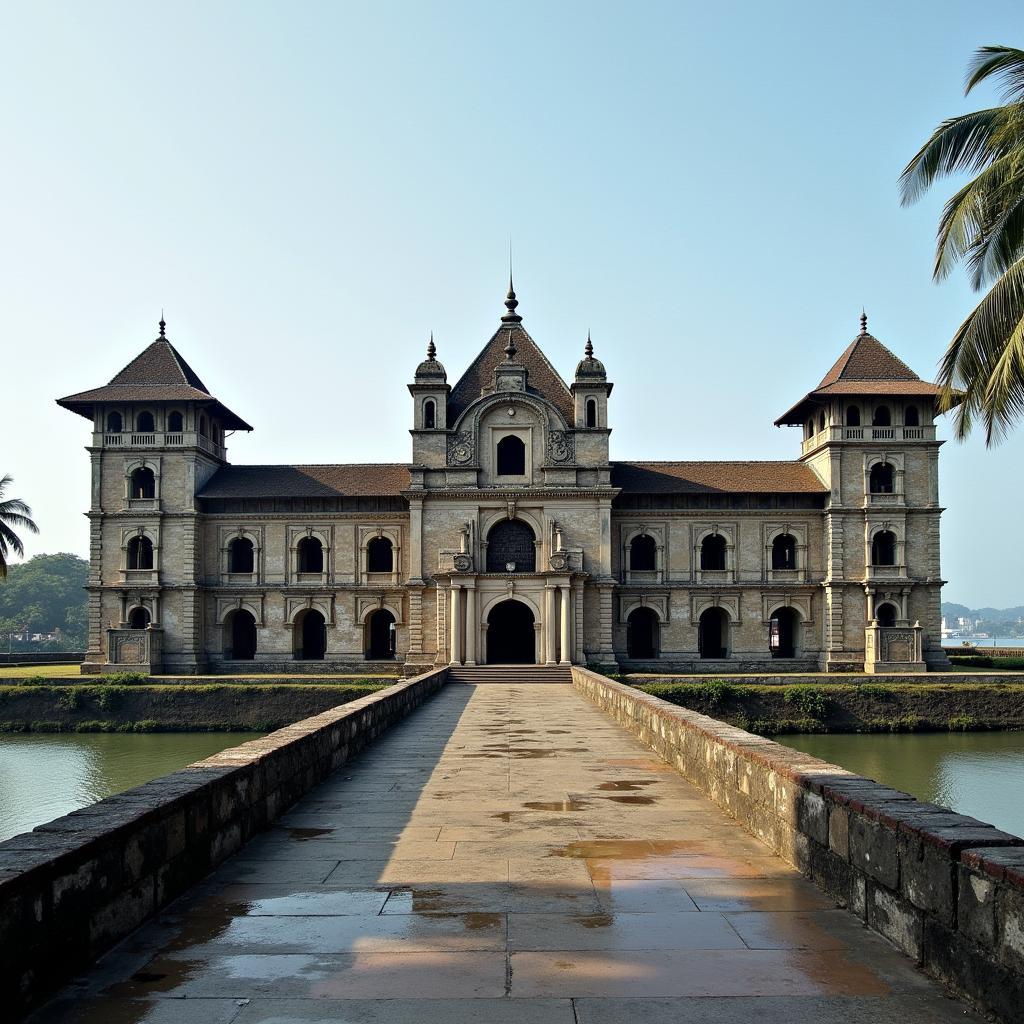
{"x": 10, "y": 541}
{"x": 1004, "y": 61}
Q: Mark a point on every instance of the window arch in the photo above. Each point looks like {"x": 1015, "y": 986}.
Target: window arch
{"x": 853, "y": 416}
{"x": 240, "y": 636}
{"x": 114, "y": 423}
{"x": 202, "y": 426}
{"x": 310, "y": 635}
{"x": 175, "y": 422}
{"x": 310, "y": 553}
{"x": 882, "y": 417}
{"x": 642, "y": 633}
{"x": 821, "y": 420}
{"x": 144, "y": 422}
{"x": 809, "y": 429}
{"x": 712, "y": 553}
{"x": 140, "y": 553}
{"x": 380, "y": 635}
{"x": 911, "y": 416}
{"x": 713, "y": 633}
{"x": 784, "y": 552}
{"x": 880, "y": 480}
{"x": 885, "y": 614}
{"x": 142, "y": 483}
{"x": 883, "y": 548}
{"x": 591, "y": 413}
{"x": 241, "y": 555}
{"x": 429, "y": 414}
{"x": 511, "y": 456}
{"x": 643, "y": 553}
{"x": 138, "y": 618}
{"x": 380, "y": 555}
{"x": 511, "y": 543}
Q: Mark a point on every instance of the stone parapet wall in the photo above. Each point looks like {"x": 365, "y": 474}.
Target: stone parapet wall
{"x": 40, "y": 658}
{"x": 944, "y": 888}
{"x": 75, "y": 886}
{"x": 953, "y": 678}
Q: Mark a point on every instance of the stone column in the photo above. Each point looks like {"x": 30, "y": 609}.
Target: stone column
{"x": 472, "y": 632}
{"x": 564, "y": 620}
{"x": 455, "y": 631}
{"x": 549, "y": 626}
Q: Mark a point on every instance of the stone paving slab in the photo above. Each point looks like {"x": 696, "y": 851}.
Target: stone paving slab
{"x": 506, "y": 854}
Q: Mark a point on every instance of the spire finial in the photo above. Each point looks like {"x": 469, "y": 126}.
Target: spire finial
{"x": 510, "y": 348}
{"x": 431, "y": 350}
{"x": 163, "y": 325}
{"x": 511, "y": 317}
{"x": 589, "y": 348}
{"x": 863, "y": 321}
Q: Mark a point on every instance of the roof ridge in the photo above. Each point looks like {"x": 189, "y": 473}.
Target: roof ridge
{"x": 700, "y": 462}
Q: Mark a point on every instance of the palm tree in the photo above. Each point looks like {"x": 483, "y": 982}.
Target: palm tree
{"x": 13, "y": 512}
{"x": 982, "y": 225}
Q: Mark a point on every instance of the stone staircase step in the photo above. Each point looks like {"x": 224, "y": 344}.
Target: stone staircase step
{"x": 482, "y": 674}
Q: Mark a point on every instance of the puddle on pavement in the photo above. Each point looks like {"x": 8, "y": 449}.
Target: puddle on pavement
{"x": 629, "y": 849}
{"x": 557, "y": 805}
{"x": 530, "y": 752}
{"x": 638, "y": 762}
{"x": 626, "y": 785}
{"x": 633, "y": 799}
{"x": 594, "y": 920}
{"x": 505, "y": 816}
{"x": 301, "y": 834}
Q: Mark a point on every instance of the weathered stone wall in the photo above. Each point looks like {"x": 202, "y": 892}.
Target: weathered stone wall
{"x": 73, "y": 887}
{"x": 944, "y": 888}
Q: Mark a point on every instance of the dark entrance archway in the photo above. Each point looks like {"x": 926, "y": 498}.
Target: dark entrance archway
{"x": 510, "y": 634}
{"x": 712, "y": 633}
{"x": 380, "y": 632}
{"x": 138, "y": 618}
{"x": 642, "y": 633}
{"x": 240, "y": 636}
{"x": 310, "y": 636}
{"x": 782, "y": 630}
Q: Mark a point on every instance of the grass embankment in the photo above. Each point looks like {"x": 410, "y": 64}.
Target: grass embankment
{"x": 113, "y": 706}
{"x": 986, "y": 661}
{"x": 864, "y": 707}
{"x": 39, "y": 671}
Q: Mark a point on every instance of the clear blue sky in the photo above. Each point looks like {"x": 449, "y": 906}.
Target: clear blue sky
{"x": 309, "y": 189}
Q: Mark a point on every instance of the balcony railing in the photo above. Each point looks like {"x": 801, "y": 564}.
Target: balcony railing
{"x": 869, "y": 433}
{"x": 161, "y": 440}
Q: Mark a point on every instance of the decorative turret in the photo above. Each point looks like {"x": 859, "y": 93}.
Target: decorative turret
{"x": 430, "y": 392}
{"x": 431, "y": 368}
{"x": 590, "y": 391}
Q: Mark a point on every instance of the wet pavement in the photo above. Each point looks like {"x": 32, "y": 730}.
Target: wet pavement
{"x": 507, "y": 855}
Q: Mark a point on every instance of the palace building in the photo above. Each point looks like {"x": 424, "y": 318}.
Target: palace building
{"x": 510, "y": 537}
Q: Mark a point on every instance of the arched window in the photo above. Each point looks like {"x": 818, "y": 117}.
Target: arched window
{"x": 140, "y": 553}
{"x": 310, "y": 636}
{"x": 144, "y": 423}
{"x": 138, "y": 618}
{"x": 429, "y": 414}
{"x": 882, "y": 417}
{"x": 821, "y": 421}
{"x": 809, "y": 429}
{"x": 643, "y": 553}
{"x": 853, "y": 416}
{"x": 240, "y": 636}
{"x": 883, "y": 548}
{"x": 885, "y": 615}
{"x": 511, "y": 547}
{"x": 511, "y": 456}
{"x": 175, "y": 423}
{"x": 880, "y": 480}
{"x": 202, "y": 426}
{"x": 241, "y": 555}
{"x": 712, "y": 552}
{"x": 591, "y": 413}
{"x": 380, "y": 555}
{"x": 142, "y": 483}
{"x": 712, "y": 634}
{"x": 911, "y": 417}
{"x": 642, "y": 633}
{"x": 782, "y": 633}
{"x": 114, "y": 423}
{"x": 784, "y": 551}
{"x": 380, "y": 635}
{"x": 311, "y": 555}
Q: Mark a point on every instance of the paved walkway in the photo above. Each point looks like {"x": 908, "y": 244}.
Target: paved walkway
{"x": 507, "y": 855}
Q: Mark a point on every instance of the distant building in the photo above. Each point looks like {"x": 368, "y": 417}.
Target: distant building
{"x": 510, "y": 536}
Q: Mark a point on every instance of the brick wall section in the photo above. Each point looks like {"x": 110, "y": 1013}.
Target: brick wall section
{"x": 72, "y": 888}
{"x": 946, "y": 889}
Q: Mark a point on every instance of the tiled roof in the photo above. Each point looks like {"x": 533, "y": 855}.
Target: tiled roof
{"x": 542, "y": 378}
{"x": 353, "y": 480}
{"x": 158, "y": 374}
{"x": 721, "y": 477}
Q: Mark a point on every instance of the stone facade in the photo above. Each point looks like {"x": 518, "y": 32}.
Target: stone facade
{"x": 511, "y": 533}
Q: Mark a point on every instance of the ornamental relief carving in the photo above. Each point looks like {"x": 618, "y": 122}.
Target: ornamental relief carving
{"x": 561, "y": 446}
{"x": 460, "y": 448}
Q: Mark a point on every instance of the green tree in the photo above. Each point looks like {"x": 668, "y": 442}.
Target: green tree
{"x": 13, "y": 512}
{"x": 982, "y": 226}
{"x": 44, "y": 593}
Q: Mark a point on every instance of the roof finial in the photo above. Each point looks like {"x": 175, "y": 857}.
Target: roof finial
{"x": 511, "y": 317}
{"x": 863, "y": 321}
{"x": 589, "y": 347}
{"x": 510, "y": 348}
{"x": 163, "y": 325}
{"x": 431, "y": 350}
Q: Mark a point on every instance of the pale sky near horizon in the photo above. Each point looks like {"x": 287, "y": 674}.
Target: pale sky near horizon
{"x": 309, "y": 189}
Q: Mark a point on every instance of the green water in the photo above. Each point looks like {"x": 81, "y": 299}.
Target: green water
{"x": 975, "y": 773}
{"x": 43, "y": 776}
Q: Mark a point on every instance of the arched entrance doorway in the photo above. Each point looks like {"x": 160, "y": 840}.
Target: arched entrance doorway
{"x": 310, "y": 636}
{"x": 511, "y": 638}
{"x": 885, "y": 615}
{"x": 712, "y": 633}
{"x": 782, "y": 633}
{"x": 138, "y": 618}
{"x": 380, "y": 635}
{"x": 240, "y": 636}
{"x": 642, "y": 633}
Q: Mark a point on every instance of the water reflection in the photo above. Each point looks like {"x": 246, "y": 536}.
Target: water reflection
{"x": 975, "y": 773}
{"x": 43, "y": 776}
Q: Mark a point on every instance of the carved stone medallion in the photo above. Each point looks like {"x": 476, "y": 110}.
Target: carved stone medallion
{"x": 462, "y": 563}
{"x": 460, "y": 448}
{"x": 561, "y": 446}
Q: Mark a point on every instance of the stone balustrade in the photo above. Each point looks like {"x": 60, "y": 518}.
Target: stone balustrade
{"x": 867, "y": 433}
{"x": 160, "y": 439}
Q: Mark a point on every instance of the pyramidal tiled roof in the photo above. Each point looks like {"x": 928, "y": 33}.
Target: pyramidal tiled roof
{"x": 157, "y": 374}
{"x": 541, "y": 377}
